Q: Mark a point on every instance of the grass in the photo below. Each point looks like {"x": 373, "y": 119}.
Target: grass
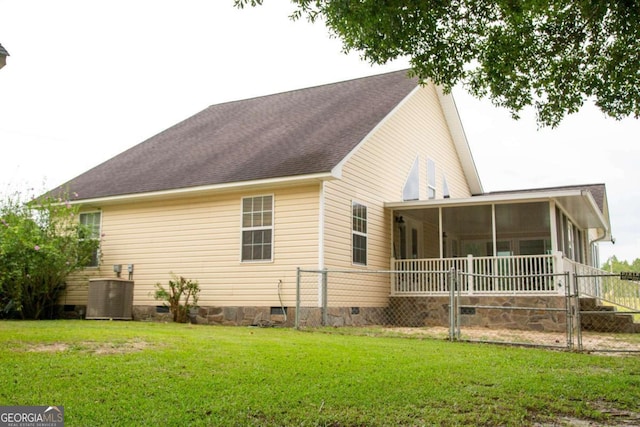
{"x": 134, "y": 373}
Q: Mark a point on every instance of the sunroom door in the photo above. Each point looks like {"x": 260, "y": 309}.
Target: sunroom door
{"x": 410, "y": 239}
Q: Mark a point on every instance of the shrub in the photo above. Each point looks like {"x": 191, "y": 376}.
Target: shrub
{"x": 40, "y": 246}
{"x": 181, "y": 297}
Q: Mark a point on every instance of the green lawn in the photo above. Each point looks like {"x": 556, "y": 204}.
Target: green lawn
{"x": 136, "y": 374}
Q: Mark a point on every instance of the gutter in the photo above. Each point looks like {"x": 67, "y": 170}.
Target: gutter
{"x": 204, "y": 189}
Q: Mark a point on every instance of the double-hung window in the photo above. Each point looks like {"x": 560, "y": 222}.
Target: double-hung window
{"x": 257, "y": 228}
{"x": 91, "y": 232}
{"x": 359, "y": 233}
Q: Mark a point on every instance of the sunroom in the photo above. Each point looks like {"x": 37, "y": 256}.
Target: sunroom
{"x": 506, "y": 243}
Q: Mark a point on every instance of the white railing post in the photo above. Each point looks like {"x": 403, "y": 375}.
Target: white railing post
{"x": 470, "y": 274}
{"x": 559, "y": 268}
{"x": 394, "y": 277}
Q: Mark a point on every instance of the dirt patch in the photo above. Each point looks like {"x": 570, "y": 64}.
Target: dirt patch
{"x": 92, "y": 347}
{"x": 55, "y": 347}
{"x": 616, "y": 418}
{"x": 594, "y": 342}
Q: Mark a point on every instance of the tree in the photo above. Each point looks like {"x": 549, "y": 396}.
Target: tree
{"x": 614, "y": 265}
{"x": 553, "y": 55}
{"x": 40, "y": 245}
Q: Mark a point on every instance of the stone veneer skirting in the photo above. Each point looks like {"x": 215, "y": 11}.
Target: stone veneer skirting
{"x": 263, "y": 316}
{"x": 402, "y": 311}
{"x": 536, "y": 313}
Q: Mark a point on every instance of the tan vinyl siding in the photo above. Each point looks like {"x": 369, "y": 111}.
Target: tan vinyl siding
{"x": 376, "y": 173}
{"x": 76, "y": 292}
{"x": 200, "y": 239}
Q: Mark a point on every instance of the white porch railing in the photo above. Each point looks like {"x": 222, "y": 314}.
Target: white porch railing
{"x": 608, "y": 287}
{"x": 504, "y": 275}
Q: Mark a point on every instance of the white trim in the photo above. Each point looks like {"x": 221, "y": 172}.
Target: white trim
{"x": 526, "y": 196}
{"x": 595, "y": 219}
{"x": 203, "y": 189}
{"x": 366, "y": 234}
{"x": 272, "y": 228}
{"x": 98, "y": 238}
{"x": 452, "y": 117}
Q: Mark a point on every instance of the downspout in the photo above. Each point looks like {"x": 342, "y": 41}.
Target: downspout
{"x": 604, "y": 235}
{"x": 321, "y": 231}
{"x": 321, "y": 218}
{"x": 591, "y": 248}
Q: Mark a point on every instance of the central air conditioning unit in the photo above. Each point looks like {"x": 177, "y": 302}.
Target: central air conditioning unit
{"x": 110, "y": 299}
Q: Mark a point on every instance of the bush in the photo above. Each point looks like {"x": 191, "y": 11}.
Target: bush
{"x": 181, "y": 297}
{"x": 39, "y": 248}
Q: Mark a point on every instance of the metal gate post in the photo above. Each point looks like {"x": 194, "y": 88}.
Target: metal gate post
{"x": 324, "y": 294}
{"x": 569, "y": 309}
{"x": 452, "y": 304}
{"x": 297, "y": 321}
{"x": 457, "y": 277}
{"x": 576, "y": 294}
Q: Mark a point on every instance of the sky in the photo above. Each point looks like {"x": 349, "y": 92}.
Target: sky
{"x": 87, "y": 80}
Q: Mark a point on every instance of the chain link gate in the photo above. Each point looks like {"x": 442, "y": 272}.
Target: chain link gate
{"x": 609, "y": 312}
{"x": 374, "y": 298}
{"x": 526, "y": 319}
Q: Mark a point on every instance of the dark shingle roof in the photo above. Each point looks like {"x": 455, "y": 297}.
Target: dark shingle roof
{"x": 293, "y": 133}
{"x": 3, "y": 51}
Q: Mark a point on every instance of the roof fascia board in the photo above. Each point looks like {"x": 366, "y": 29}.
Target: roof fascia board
{"x": 204, "y": 189}
{"x": 337, "y": 169}
{"x": 523, "y": 197}
{"x": 452, "y": 117}
{"x": 490, "y": 198}
{"x": 606, "y": 226}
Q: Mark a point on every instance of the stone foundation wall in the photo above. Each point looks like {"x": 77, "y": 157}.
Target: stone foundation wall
{"x": 344, "y": 316}
{"x": 263, "y": 316}
{"x": 231, "y": 316}
{"x": 402, "y": 311}
{"x": 434, "y": 311}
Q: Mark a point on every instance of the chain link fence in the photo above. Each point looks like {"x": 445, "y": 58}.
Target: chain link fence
{"x": 517, "y": 318}
{"x": 440, "y": 304}
{"x": 609, "y": 312}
